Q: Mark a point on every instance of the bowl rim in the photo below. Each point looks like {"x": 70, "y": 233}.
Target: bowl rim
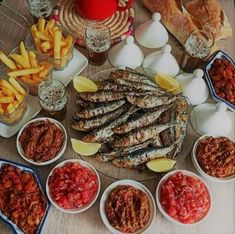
{"x": 137, "y": 185}
{"x": 215, "y": 97}
{"x": 58, "y": 155}
{"x": 163, "y": 212}
{"x": 198, "y": 167}
{"x": 80, "y": 209}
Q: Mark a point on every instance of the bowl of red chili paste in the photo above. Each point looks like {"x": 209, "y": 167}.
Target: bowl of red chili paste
{"x": 42, "y": 141}
{"x": 73, "y": 186}
{"x": 127, "y": 206}
{"x": 214, "y": 158}
{"x": 183, "y": 198}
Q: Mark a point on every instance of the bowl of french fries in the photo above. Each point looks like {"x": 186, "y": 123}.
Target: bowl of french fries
{"x": 28, "y": 66}
{"x": 13, "y": 100}
{"x": 53, "y": 40}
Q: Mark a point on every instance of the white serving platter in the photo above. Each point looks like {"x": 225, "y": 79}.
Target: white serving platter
{"x": 76, "y": 66}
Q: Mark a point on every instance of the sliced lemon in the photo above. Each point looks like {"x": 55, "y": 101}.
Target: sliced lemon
{"x": 177, "y": 90}
{"x": 84, "y": 148}
{"x": 84, "y": 84}
{"x": 166, "y": 82}
{"x": 161, "y": 164}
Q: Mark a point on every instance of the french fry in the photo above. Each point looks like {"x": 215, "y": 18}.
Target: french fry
{"x": 7, "y": 85}
{"x": 46, "y": 45}
{"x": 42, "y": 36}
{"x": 57, "y": 44}
{"x": 6, "y": 99}
{"x": 19, "y": 60}
{"x": 8, "y": 62}
{"x": 27, "y": 71}
{"x": 69, "y": 41}
{"x": 17, "y": 86}
{"x": 8, "y": 92}
{"x": 28, "y": 81}
{"x": 36, "y": 78}
{"x": 46, "y": 64}
{"x": 32, "y": 59}
{"x": 37, "y": 42}
{"x": 24, "y": 54}
{"x": 11, "y": 108}
{"x": 43, "y": 73}
{"x": 64, "y": 51}
{"x": 49, "y": 26}
{"x": 33, "y": 30}
{"x": 41, "y": 25}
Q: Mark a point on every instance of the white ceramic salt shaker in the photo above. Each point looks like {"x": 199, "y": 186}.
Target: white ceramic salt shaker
{"x": 126, "y": 54}
{"x": 152, "y": 34}
{"x": 211, "y": 119}
{"x": 193, "y": 86}
{"x": 161, "y": 62}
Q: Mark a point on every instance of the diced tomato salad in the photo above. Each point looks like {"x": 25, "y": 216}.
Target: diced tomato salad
{"x": 185, "y": 198}
{"x": 73, "y": 185}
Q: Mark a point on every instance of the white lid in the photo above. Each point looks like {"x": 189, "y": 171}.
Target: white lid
{"x": 162, "y": 61}
{"x": 193, "y": 86}
{"x": 211, "y": 119}
{"x": 126, "y": 54}
{"x": 152, "y": 34}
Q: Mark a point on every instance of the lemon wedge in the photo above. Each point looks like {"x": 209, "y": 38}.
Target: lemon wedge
{"x": 84, "y": 84}
{"x": 84, "y": 148}
{"x": 166, "y": 82}
{"x": 161, "y": 164}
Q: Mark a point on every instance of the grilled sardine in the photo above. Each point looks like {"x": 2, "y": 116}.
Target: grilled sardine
{"x": 88, "y": 113}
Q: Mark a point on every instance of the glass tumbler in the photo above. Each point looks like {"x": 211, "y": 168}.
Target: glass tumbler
{"x": 98, "y": 42}
{"x": 196, "y": 49}
{"x": 53, "y": 99}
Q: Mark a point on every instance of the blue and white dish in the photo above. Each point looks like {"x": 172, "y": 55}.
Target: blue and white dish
{"x": 15, "y": 229}
{"x": 221, "y": 55}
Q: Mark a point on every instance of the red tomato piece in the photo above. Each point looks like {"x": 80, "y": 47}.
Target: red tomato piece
{"x": 185, "y": 198}
{"x": 72, "y": 185}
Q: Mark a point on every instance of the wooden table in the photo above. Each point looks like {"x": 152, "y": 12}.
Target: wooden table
{"x": 221, "y": 219}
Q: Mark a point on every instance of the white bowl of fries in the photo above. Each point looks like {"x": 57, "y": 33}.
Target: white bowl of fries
{"x": 13, "y": 101}
{"x": 29, "y": 67}
{"x": 53, "y": 40}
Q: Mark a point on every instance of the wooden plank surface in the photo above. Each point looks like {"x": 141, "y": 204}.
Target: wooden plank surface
{"x": 221, "y": 220}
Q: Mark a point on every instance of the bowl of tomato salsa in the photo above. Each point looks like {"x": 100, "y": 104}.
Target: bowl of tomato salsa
{"x": 73, "y": 186}
{"x": 183, "y": 198}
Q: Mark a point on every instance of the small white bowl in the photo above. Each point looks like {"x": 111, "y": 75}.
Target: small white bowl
{"x": 82, "y": 208}
{"x": 59, "y": 154}
{"x": 168, "y": 217}
{"x": 201, "y": 171}
{"x": 136, "y": 185}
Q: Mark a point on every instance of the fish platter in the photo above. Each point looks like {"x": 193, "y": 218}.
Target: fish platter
{"x": 133, "y": 119}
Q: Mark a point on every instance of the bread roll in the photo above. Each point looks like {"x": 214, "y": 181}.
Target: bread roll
{"x": 198, "y": 14}
{"x": 211, "y": 16}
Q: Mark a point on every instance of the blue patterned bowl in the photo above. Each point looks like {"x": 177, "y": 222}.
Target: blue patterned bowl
{"x": 15, "y": 229}
{"x": 221, "y": 55}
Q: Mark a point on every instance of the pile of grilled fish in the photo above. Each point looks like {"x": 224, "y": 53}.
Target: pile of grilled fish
{"x": 134, "y": 120}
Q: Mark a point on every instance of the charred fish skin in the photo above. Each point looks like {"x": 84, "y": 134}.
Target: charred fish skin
{"x": 140, "y": 135}
{"x": 151, "y": 101}
{"x": 109, "y": 156}
{"x": 104, "y": 133}
{"x": 109, "y": 85}
{"x": 89, "y": 124}
{"x": 142, "y": 121}
{"x": 100, "y": 110}
{"x": 132, "y": 76}
{"x": 142, "y": 156}
{"x": 102, "y": 96}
